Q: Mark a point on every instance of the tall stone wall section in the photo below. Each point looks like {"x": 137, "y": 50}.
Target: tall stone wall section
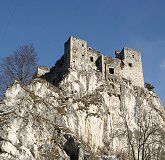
{"x": 126, "y": 65}
{"x": 132, "y": 66}
{"x": 82, "y": 57}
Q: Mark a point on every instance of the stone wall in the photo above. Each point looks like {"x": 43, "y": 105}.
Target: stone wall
{"x": 132, "y": 69}
{"x": 82, "y": 57}
{"x": 41, "y": 70}
{"x": 127, "y": 63}
{"x": 78, "y": 56}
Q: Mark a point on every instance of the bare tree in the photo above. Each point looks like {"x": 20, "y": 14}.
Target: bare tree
{"x": 20, "y": 65}
{"x": 145, "y": 139}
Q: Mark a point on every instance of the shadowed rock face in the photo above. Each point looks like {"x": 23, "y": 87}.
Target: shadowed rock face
{"x": 71, "y": 148}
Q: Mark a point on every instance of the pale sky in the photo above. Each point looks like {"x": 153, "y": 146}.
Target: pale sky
{"x": 107, "y": 25}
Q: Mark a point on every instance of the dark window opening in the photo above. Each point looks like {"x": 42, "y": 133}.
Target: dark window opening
{"x": 122, "y": 65}
{"x": 130, "y": 64}
{"x": 111, "y": 71}
{"x": 82, "y": 45}
{"x": 91, "y": 59}
{"x": 133, "y": 56}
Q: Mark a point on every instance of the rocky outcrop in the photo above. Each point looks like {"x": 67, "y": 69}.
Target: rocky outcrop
{"x": 84, "y": 118}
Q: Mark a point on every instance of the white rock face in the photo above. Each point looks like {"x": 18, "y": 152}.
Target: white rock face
{"x": 84, "y": 119}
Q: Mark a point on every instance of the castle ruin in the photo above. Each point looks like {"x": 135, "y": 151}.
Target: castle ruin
{"x": 127, "y": 64}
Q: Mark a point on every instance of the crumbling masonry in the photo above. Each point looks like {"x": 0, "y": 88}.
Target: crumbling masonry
{"x": 126, "y": 66}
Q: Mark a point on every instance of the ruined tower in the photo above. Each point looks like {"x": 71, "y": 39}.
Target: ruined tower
{"x": 132, "y": 66}
{"x": 127, "y": 64}
{"x": 78, "y": 56}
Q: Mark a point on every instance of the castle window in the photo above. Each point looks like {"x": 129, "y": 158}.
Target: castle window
{"x": 111, "y": 71}
{"x": 82, "y": 45}
{"x": 91, "y": 59}
{"x": 130, "y": 64}
{"x": 133, "y": 56}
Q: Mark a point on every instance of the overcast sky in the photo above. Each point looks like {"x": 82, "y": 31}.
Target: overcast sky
{"x": 107, "y": 25}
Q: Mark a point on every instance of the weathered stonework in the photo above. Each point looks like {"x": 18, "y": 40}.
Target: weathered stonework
{"x": 79, "y": 56}
{"x": 41, "y": 70}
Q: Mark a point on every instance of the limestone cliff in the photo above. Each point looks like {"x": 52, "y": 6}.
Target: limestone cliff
{"x": 87, "y": 107}
{"x": 83, "y": 118}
